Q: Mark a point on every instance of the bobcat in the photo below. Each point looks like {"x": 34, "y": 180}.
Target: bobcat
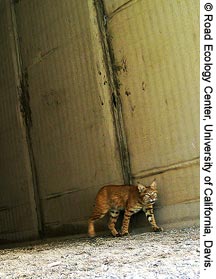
{"x": 132, "y": 199}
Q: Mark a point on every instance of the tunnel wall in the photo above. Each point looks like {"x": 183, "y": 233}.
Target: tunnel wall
{"x": 96, "y": 93}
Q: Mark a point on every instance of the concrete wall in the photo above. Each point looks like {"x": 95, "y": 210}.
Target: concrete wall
{"x": 156, "y": 52}
{"x": 90, "y": 100}
{"x": 18, "y": 216}
{"x": 72, "y": 133}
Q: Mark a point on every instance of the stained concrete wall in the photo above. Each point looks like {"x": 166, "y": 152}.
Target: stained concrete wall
{"x": 72, "y": 133}
{"x": 96, "y": 93}
{"x": 156, "y": 52}
{"x": 18, "y": 216}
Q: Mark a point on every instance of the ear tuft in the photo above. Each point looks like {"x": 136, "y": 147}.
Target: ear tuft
{"x": 153, "y": 184}
{"x": 141, "y": 187}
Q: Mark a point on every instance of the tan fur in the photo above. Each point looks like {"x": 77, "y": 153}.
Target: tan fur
{"x": 132, "y": 199}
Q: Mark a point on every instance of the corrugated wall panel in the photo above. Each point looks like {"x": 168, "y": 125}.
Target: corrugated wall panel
{"x": 156, "y": 50}
{"x": 18, "y": 218}
{"x": 73, "y": 135}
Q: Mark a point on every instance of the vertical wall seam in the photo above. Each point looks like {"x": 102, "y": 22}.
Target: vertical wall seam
{"x": 114, "y": 87}
{"x": 25, "y": 110}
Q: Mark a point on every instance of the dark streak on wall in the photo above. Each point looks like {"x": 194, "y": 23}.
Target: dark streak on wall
{"x": 114, "y": 88}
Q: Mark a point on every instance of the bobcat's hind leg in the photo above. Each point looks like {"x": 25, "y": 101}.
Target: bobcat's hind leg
{"x": 114, "y": 214}
{"x": 97, "y": 214}
{"x": 126, "y": 221}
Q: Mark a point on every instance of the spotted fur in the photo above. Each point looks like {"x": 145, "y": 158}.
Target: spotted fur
{"x": 131, "y": 199}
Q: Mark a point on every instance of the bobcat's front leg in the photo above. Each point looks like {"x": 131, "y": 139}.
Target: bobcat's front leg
{"x": 150, "y": 217}
{"x": 126, "y": 221}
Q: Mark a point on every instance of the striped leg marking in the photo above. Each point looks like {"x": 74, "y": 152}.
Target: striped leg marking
{"x": 151, "y": 218}
{"x": 126, "y": 221}
{"x": 114, "y": 214}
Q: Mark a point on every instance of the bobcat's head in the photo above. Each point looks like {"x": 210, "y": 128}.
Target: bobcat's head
{"x": 148, "y": 194}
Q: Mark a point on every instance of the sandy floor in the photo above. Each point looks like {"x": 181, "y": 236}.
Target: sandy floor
{"x": 170, "y": 254}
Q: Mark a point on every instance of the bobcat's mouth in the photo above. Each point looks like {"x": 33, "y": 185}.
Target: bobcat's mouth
{"x": 152, "y": 201}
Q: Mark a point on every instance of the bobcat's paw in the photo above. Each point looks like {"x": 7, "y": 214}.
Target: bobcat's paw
{"x": 116, "y": 234}
{"x": 124, "y": 233}
{"x": 157, "y": 229}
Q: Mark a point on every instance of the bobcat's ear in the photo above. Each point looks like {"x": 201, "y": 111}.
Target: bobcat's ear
{"x": 154, "y": 184}
{"x": 141, "y": 187}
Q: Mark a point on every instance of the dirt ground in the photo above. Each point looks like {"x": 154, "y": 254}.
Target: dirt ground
{"x": 166, "y": 255}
